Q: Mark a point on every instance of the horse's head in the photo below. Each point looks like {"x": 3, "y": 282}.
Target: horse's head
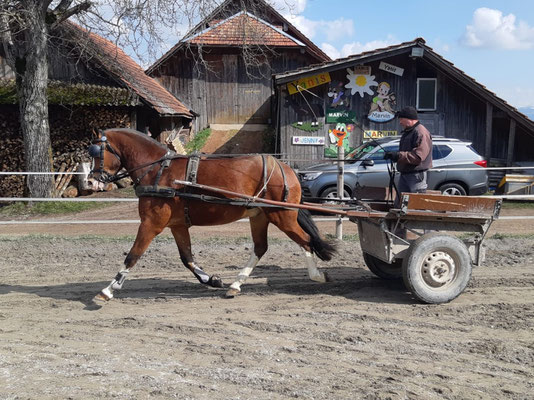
{"x": 106, "y": 160}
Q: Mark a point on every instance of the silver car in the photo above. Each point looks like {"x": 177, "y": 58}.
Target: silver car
{"x": 457, "y": 170}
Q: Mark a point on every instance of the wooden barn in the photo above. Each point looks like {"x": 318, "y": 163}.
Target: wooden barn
{"x": 223, "y": 67}
{"x": 94, "y": 85}
{"x": 361, "y": 93}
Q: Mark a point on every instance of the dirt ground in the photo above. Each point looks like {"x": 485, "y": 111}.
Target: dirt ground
{"x": 166, "y": 336}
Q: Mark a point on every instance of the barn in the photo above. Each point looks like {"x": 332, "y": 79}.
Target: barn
{"x": 223, "y": 67}
{"x": 361, "y": 93}
{"x": 92, "y": 85}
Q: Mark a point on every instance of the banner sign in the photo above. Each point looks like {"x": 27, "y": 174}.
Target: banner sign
{"x": 308, "y": 82}
{"x": 309, "y": 140}
{"x": 334, "y": 115}
{"x": 378, "y": 134}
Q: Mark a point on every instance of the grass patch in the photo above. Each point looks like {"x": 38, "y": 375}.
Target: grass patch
{"x": 198, "y": 141}
{"x": 49, "y": 208}
{"x": 507, "y": 204}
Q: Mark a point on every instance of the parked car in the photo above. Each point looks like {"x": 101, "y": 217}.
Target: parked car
{"x": 365, "y": 167}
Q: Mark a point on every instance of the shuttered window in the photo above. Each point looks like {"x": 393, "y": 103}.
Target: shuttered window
{"x": 426, "y": 94}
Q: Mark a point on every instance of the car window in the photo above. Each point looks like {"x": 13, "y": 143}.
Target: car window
{"x": 360, "y": 151}
{"x": 379, "y": 153}
{"x": 440, "y": 151}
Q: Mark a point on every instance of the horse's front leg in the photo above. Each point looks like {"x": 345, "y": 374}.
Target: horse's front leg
{"x": 183, "y": 241}
{"x": 145, "y": 234}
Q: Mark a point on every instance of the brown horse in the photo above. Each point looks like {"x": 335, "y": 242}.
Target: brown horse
{"x": 164, "y": 202}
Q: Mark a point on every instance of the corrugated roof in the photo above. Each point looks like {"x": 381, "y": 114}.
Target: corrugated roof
{"x": 429, "y": 54}
{"x": 126, "y": 70}
{"x": 244, "y": 28}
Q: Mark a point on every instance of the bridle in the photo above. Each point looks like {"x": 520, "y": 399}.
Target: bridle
{"x": 97, "y": 150}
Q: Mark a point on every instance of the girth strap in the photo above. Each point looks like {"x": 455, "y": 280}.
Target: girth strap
{"x": 193, "y": 162}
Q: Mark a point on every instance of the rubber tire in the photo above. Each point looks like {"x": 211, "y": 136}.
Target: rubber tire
{"x": 382, "y": 269}
{"x": 456, "y": 188}
{"x": 332, "y": 191}
{"x": 412, "y": 267}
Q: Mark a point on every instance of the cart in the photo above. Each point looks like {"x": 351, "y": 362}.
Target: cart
{"x": 431, "y": 241}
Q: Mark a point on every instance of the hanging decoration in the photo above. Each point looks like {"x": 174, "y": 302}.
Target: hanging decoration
{"x": 360, "y": 83}
{"x": 381, "y": 109}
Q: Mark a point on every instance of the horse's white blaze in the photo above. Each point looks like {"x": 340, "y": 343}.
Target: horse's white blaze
{"x": 313, "y": 272}
{"x": 245, "y": 272}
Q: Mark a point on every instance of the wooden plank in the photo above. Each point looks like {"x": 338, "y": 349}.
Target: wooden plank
{"x": 442, "y": 203}
{"x": 489, "y": 129}
{"x": 511, "y": 143}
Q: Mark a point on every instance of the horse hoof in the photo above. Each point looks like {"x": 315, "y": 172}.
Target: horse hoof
{"x": 215, "y": 281}
{"x": 101, "y": 298}
{"x": 231, "y": 293}
{"x": 327, "y": 277}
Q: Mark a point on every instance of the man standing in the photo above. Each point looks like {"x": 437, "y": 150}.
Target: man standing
{"x": 414, "y": 157}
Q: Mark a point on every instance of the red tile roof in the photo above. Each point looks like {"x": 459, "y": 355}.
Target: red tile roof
{"x": 127, "y": 71}
{"x": 244, "y": 28}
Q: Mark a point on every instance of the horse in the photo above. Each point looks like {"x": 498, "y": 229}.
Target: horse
{"x": 172, "y": 193}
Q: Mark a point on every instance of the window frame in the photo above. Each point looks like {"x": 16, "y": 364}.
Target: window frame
{"x": 435, "y": 94}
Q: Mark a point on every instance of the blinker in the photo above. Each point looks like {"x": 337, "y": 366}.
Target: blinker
{"x": 94, "y": 151}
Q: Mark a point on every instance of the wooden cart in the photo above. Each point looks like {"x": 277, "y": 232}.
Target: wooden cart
{"x": 431, "y": 241}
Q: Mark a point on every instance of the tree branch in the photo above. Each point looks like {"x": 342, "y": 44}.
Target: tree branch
{"x": 63, "y": 15}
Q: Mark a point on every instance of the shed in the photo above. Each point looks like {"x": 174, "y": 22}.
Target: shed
{"x": 360, "y": 94}
{"x": 223, "y": 66}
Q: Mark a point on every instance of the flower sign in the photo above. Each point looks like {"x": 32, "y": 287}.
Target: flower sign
{"x": 360, "y": 83}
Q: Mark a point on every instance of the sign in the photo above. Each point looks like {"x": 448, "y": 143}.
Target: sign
{"x": 334, "y": 115}
{"x": 308, "y": 82}
{"x": 340, "y": 136}
{"x": 391, "y": 68}
{"x": 362, "y": 70}
{"x": 378, "y": 134}
{"x": 309, "y": 140}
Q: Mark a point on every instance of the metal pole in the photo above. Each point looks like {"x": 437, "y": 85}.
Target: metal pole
{"x": 340, "y": 188}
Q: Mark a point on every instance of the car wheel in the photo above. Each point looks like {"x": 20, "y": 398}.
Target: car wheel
{"x": 452, "y": 189}
{"x": 329, "y": 195}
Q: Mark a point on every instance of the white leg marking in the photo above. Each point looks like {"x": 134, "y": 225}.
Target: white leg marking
{"x": 115, "y": 284}
{"x": 200, "y": 273}
{"x": 313, "y": 272}
{"x": 245, "y": 272}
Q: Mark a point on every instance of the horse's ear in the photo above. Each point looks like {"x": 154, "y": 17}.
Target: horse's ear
{"x": 97, "y": 133}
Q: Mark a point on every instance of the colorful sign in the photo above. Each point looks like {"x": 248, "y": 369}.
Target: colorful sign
{"x": 360, "y": 83}
{"x": 384, "y": 66}
{"x": 334, "y": 115}
{"x": 381, "y": 109}
{"x": 378, "y": 134}
{"x": 308, "y": 82}
{"x": 309, "y": 140}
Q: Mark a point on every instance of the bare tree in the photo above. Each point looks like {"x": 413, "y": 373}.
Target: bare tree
{"x": 27, "y": 29}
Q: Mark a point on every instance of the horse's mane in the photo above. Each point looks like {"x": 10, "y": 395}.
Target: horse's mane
{"x": 137, "y": 134}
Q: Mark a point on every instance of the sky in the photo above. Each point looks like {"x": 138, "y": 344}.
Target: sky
{"x": 491, "y": 41}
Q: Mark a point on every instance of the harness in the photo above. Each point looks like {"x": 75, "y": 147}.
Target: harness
{"x": 99, "y": 146}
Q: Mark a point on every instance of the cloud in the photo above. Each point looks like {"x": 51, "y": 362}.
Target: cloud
{"x": 357, "y": 47}
{"x": 332, "y": 30}
{"x": 293, "y": 7}
{"x": 491, "y": 29}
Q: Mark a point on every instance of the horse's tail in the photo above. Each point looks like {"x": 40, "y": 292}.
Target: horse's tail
{"x": 323, "y": 248}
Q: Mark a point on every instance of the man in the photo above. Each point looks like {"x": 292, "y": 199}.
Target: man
{"x": 414, "y": 157}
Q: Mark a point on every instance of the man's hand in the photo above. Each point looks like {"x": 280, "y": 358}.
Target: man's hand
{"x": 391, "y": 155}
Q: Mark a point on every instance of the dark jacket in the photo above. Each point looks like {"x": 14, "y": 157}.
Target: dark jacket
{"x": 415, "y": 149}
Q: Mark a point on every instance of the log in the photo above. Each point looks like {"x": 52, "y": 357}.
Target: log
{"x": 70, "y": 192}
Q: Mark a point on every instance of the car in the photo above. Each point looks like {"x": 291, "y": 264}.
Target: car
{"x": 457, "y": 170}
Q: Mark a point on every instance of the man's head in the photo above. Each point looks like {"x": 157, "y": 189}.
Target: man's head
{"x": 407, "y": 117}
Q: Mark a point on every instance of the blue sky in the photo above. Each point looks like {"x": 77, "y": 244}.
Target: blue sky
{"x": 492, "y": 41}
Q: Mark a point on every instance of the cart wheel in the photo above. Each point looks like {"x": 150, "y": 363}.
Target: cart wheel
{"x": 383, "y": 269}
{"x": 437, "y": 269}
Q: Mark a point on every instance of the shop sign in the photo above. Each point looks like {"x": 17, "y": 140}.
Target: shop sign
{"x": 308, "y": 82}
{"x": 308, "y": 140}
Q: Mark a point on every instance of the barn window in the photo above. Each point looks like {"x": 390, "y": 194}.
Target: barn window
{"x": 426, "y": 94}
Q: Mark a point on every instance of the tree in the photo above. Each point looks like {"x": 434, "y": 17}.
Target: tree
{"x": 27, "y": 29}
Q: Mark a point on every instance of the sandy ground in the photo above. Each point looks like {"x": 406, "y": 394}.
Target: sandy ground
{"x": 166, "y": 336}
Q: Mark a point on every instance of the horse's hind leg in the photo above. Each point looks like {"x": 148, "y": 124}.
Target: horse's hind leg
{"x": 258, "y": 226}
{"x": 183, "y": 241}
{"x": 145, "y": 234}
{"x": 300, "y": 227}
